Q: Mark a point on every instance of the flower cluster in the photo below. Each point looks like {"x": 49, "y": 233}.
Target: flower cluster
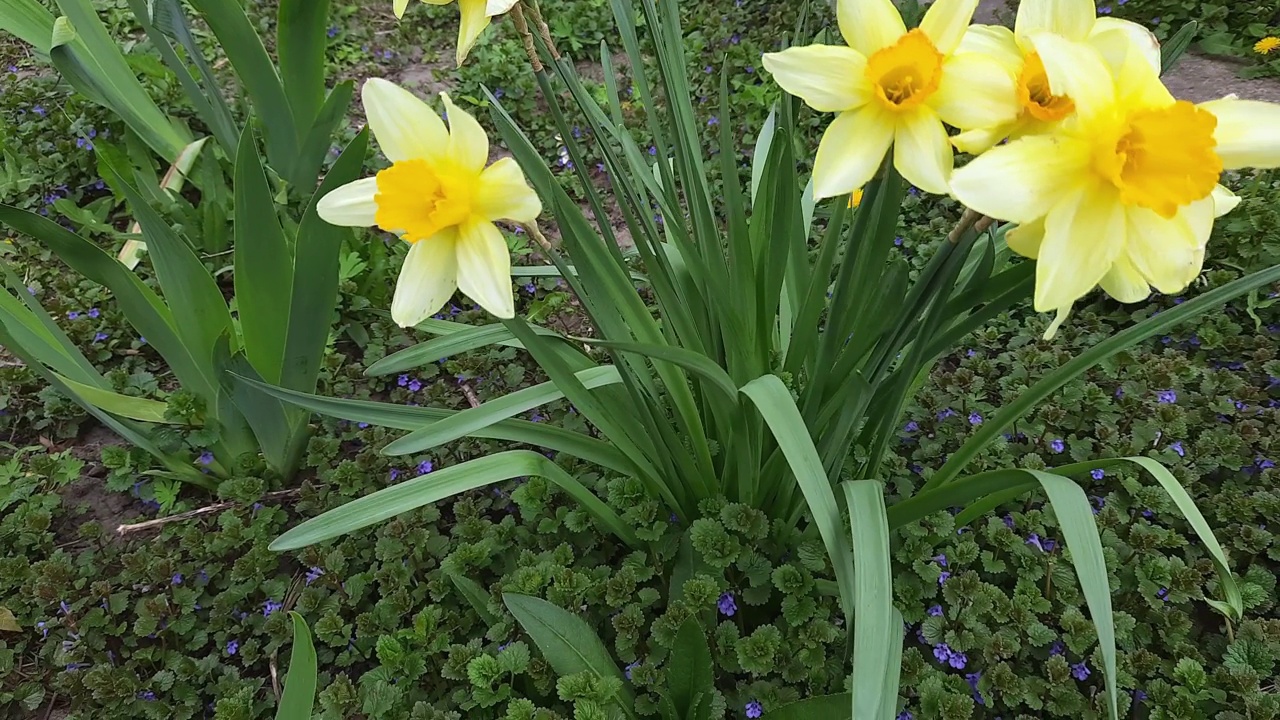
{"x": 1112, "y": 181}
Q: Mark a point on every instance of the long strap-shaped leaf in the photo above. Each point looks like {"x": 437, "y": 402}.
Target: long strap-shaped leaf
{"x": 1119, "y": 342}
{"x": 454, "y": 339}
{"x": 874, "y": 632}
{"x": 441, "y": 484}
{"x": 779, "y": 411}
{"x": 300, "y": 683}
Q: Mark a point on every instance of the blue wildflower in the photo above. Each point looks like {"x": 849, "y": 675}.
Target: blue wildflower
{"x": 727, "y": 605}
{"x": 1057, "y": 445}
{"x": 754, "y": 709}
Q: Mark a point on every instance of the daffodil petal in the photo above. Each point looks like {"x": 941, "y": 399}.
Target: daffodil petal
{"x": 1248, "y": 132}
{"x": 474, "y": 20}
{"x": 975, "y": 92}
{"x": 1076, "y": 70}
{"x": 922, "y": 152}
{"x": 945, "y": 23}
{"x": 1072, "y": 19}
{"x": 1224, "y": 201}
{"x": 405, "y": 127}
{"x": 1137, "y": 83}
{"x": 427, "y": 279}
{"x": 976, "y": 142}
{"x": 503, "y": 194}
{"x": 494, "y": 8}
{"x": 468, "y": 145}
{"x": 1023, "y": 180}
{"x": 1124, "y": 283}
{"x": 351, "y": 205}
{"x": 851, "y": 151}
{"x": 1060, "y": 317}
{"x": 829, "y": 78}
{"x": 1026, "y": 238}
{"x": 1115, "y": 38}
{"x": 1084, "y": 234}
{"x": 1165, "y": 250}
{"x": 484, "y": 268}
{"x": 869, "y": 25}
{"x": 996, "y": 42}
{"x": 400, "y": 7}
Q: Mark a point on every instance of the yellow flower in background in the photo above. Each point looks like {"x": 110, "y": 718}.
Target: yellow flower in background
{"x": 475, "y": 18}
{"x": 891, "y": 87}
{"x": 1040, "y": 107}
{"x": 1266, "y": 45}
{"x": 1125, "y": 192}
{"x": 855, "y": 198}
{"x": 439, "y": 196}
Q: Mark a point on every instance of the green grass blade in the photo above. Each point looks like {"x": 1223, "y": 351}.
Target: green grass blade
{"x": 263, "y": 266}
{"x": 568, "y": 643}
{"x": 446, "y": 483}
{"x": 874, "y": 633}
{"x": 455, "y": 338}
{"x": 1080, "y": 533}
{"x": 405, "y": 417}
{"x": 1187, "y": 506}
{"x": 314, "y": 289}
{"x": 1123, "y": 340}
{"x": 779, "y": 411}
{"x": 300, "y": 683}
{"x": 508, "y": 406}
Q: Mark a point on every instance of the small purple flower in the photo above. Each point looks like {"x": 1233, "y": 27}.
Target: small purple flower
{"x": 653, "y": 150}
{"x": 314, "y": 574}
{"x": 73, "y": 315}
{"x": 1057, "y": 445}
{"x": 713, "y": 121}
{"x": 958, "y": 660}
{"x": 530, "y": 288}
{"x": 627, "y": 670}
{"x": 362, "y": 425}
{"x": 72, "y": 667}
{"x": 1104, "y": 10}
{"x": 943, "y": 577}
{"x": 64, "y": 607}
{"x": 415, "y": 385}
{"x": 1167, "y": 397}
{"x": 727, "y": 605}
{"x": 1057, "y": 648}
{"x": 395, "y": 474}
{"x": 1098, "y": 474}
{"x": 941, "y": 559}
{"x": 1138, "y": 696}
{"x": 176, "y": 579}
{"x": 1034, "y": 540}
{"x": 1008, "y": 521}
{"x": 905, "y": 715}
{"x": 333, "y": 32}
{"x": 147, "y": 695}
{"x": 946, "y": 413}
{"x": 403, "y": 380}
{"x": 1177, "y": 447}
{"x": 233, "y": 646}
{"x": 754, "y": 709}
{"x": 94, "y": 313}
{"x": 206, "y": 458}
{"x": 39, "y": 110}
{"x": 935, "y": 611}
{"x": 1163, "y": 594}
{"x": 1081, "y": 671}
{"x": 975, "y": 418}
{"x": 99, "y": 337}
{"x": 911, "y": 426}
{"x": 44, "y": 630}
{"x": 269, "y": 607}
{"x": 1099, "y": 503}
{"x": 425, "y": 467}
{"x": 973, "y": 678}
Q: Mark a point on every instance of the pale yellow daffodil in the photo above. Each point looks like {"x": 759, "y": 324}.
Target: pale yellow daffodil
{"x": 1124, "y": 193}
{"x": 439, "y": 197}
{"x": 475, "y": 18}
{"x": 1039, "y": 106}
{"x": 891, "y": 87}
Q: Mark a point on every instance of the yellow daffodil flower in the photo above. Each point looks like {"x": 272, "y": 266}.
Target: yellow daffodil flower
{"x": 439, "y": 197}
{"x": 855, "y": 199}
{"x": 475, "y": 18}
{"x": 1039, "y": 106}
{"x": 1124, "y": 193}
{"x": 891, "y": 87}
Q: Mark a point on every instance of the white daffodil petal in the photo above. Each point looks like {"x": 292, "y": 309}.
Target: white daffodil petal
{"x": 1116, "y": 38}
{"x": 475, "y": 19}
{"x": 976, "y": 142}
{"x": 1023, "y": 180}
{"x": 1124, "y": 283}
{"x": 427, "y": 279}
{"x": 829, "y": 78}
{"x": 1083, "y": 236}
{"x": 1165, "y": 250}
{"x": 869, "y": 25}
{"x": 851, "y": 151}
{"x": 945, "y": 23}
{"x": 975, "y": 92}
{"x": 1076, "y": 70}
{"x": 468, "y": 145}
{"x": 1248, "y": 132}
{"x": 484, "y": 268}
{"x": 1072, "y": 19}
{"x": 1026, "y": 238}
{"x": 1224, "y": 201}
{"x": 405, "y": 127}
{"x": 400, "y": 7}
{"x": 494, "y": 8}
{"x": 996, "y": 42}
{"x": 503, "y": 194}
{"x": 351, "y": 205}
{"x": 922, "y": 152}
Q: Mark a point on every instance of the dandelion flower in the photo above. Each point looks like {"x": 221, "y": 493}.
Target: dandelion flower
{"x": 1267, "y": 45}
{"x": 1040, "y": 107}
{"x": 894, "y": 87}
{"x": 1124, "y": 194}
{"x": 439, "y": 197}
